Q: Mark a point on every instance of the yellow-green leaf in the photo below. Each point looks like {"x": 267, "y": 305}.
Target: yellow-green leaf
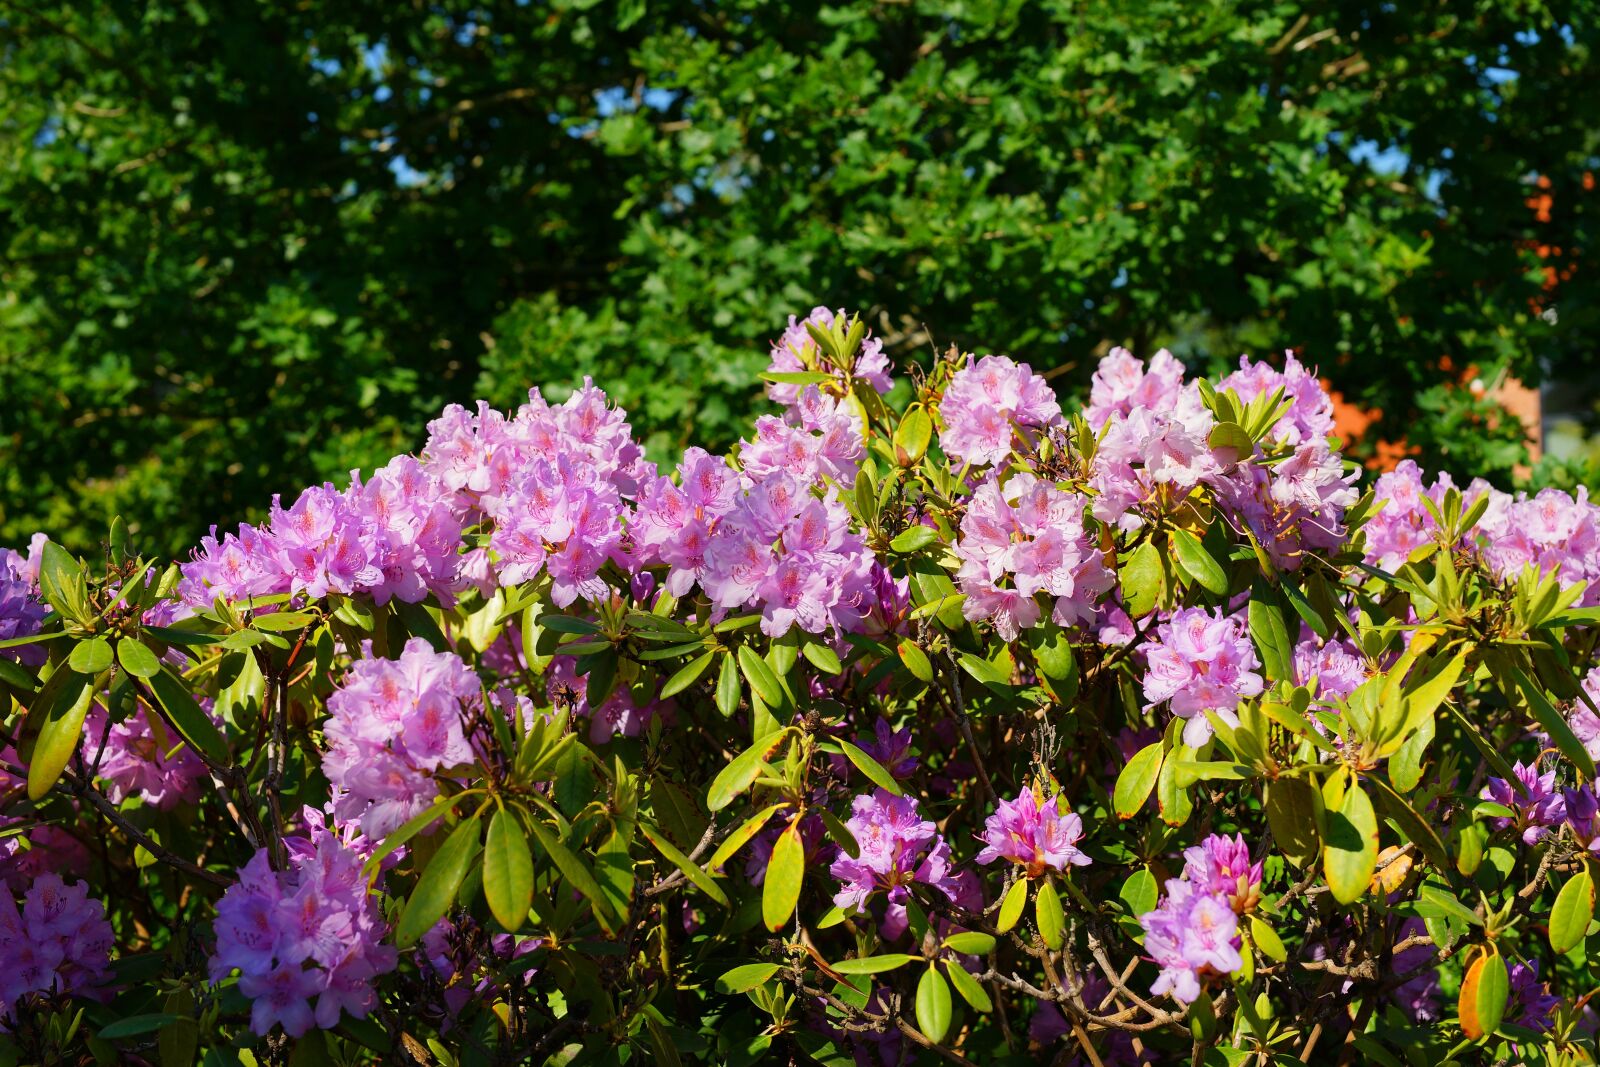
{"x": 507, "y": 870}
{"x": 786, "y": 872}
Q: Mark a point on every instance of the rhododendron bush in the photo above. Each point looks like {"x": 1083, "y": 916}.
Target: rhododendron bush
{"x": 934, "y": 723}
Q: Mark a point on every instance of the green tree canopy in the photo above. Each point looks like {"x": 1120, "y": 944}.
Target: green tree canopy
{"x": 246, "y": 246}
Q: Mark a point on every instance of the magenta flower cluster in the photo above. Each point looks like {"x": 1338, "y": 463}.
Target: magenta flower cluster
{"x": 307, "y": 942}
{"x": 898, "y": 847}
{"x": 991, "y": 404}
{"x": 1036, "y": 832}
{"x": 1201, "y": 661}
{"x": 797, "y": 352}
{"x": 1195, "y": 931}
{"x": 1021, "y": 539}
{"x": 58, "y": 942}
{"x": 1536, "y": 803}
{"x": 392, "y": 726}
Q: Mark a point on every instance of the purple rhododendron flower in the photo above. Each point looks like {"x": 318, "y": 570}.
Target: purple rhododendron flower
{"x": 1033, "y": 831}
{"x": 1532, "y": 796}
{"x": 1201, "y": 661}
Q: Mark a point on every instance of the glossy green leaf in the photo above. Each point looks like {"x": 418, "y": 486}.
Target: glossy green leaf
{"x": 889, "y": 961}
{"x": 575, "y": 871}
{"x": 687, "y": 675}
{"x": 1016, "y": 899}
{"x": 871, "y": 768}
{"x": 970, "y": 942}
{"x": 970, "y": 988}
{"x": 691, "y": 870}
{"x": 137, "y": 659}
{"x": 60, "y": 729}
{"x": 934, "y": 1008}
{"x": 1198, "y": 563}
{"x": 507, "y": 870}
{"x": 187, "y": 716}
{"x": 786, "y": 872}
{"x": 1047, "y": 910}
{"x": 436, "y": 889}
{"x": 1140, "y": 579}
{"x": 762, "y": 681}
{"x": 1136, "y": 779}
{"x": 1350, "y": 846}
{"x": 1572, "y": 912}
{"x": 91, "y": 657}
{"x": 745, "y": 978}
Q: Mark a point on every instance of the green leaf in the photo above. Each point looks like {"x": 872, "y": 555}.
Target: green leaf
{"x": 745, "y": 978}
{"x": 934, "y": 1008}
{"x": 970, "y": 942}
{"x": 1016, "y": 899}
{"x": 1572, "y": 913}
{"x": 137, "y": 659}
{"x": 1350, "y": 846}
{"x": 91, "y": 657}
{"x": 61, "y": 581}
{"x": 436, "y": 888}
{"x": 1140, "y": 892}
{"x": 1482, "y": 1001}
{"x": 740, "y": 837}
{"x": 575, "y": 871}
{"x": 1197, "y": 563}
{"x": 985, "y": 671}
{"x": 822, "y": 657}
{"x": 914, "y": 433}
{"x": 889, "y": 961}
{"x": 687, "y": 675}
{"x": 786, "y": 872}
{"x": 1047, "y": 910}
{"x": 915, "y": 660}
{"x": 762, "y": 681}
{"x": 1136, "y": 779}
{"x": 136, "y": 1025}
{"x": 736, "y": 777}
{"x": 1267, "y": 939}
{"x": 507, "y": 870}
{"x": 406, "y": 831}
{"x": 1231, "y": 437}
{"x": 871, "y": 768}
{"x": 970, "y": 988}
{"x": 1269, "y": 632}
{"x": 840, "y": 833}
{"x": 1140, "y": 579}
{"x": 61, "y": 728}
{"x": 690, "y": 869}
{"x": 187, "y": 716}
{"x": 729, "y": 689}
{"x": 284, "y": 621}
{"x": 914, "y": 539}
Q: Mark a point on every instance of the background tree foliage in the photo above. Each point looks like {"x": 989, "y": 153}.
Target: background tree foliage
{"x": 247, "y": 245}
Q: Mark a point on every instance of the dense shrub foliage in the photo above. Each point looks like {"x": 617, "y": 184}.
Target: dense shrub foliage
{"x": 246, "y": 246}
{"x": 956, "y": 729}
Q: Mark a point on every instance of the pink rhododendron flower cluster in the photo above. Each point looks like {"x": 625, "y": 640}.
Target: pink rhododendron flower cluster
{"x": 1201, "y": 661}
{"x": 1025, "y": 538}
{"x": 1150, "y": 458}
{"x": 22, "y": 610}
{"x": 990, "y": 403}
{"x": 1195, "y": 931}
{"x": 58, "y": 942}
{"x": 1332, "y": 669}
{"x": 392, "y": 725}
{"x": 307, "y": 941}
{"x": 1537, "y": 804}
{"x": 1550, "y": 531}
{"x": 1037, "y": 832}
{"x": 898, "y": 847}
{"x": 144, "y": 759}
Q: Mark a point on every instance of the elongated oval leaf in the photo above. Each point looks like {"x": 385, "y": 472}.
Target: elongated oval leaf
{"x": 1269, "y": 632}
{"x": 687, "y": 675}
{"x": 889, "y": 961}
{"x": 691, "y": 870}
{"x": 1047, "y": 910}
{"x": 762, "y": 681}
{"x": 507, "y": 870}
{"x": 970, "y": 942}
{"x": 871, "y": 768}
{"x": 1197, "y": 563}
{"x": 1140, "y": 580}
{"x": 137, "y": 659}
{"x": 1136, "y": 779}
{"x": 786, "y": 872}
{"x": 1267, "y": 939}
{"x": 1350, "y": 846}
{"x": 914, "y": 538}
{"x": 1011, "y": 907}
{"x": 441, "y": 879}
{"x": 91, "y": 657}
{"x": 736, "y": 777}
{"x": 729, "y": 688}
{"x": 911, "y": 437}
{"x": 60, "y": 730}
{"x": 934, "y": 1008}
{"x": 745, "y": 978}
{"x": 740, "y": 837}
{"x": 1482, "y": 1001}
{"x": 1572, "y": 913}
{"x": 187, "y": 716}
{"x": 574, "y": 870}
{"x": 822, "y": 657}
{"x": 970, "y": 988}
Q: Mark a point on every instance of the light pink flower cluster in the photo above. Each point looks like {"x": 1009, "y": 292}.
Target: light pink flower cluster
{"x": 392, "y": 725}
{"x": 1201, "y": 661}
{"x": 1402, "y": 523}
{"x": 764, "y": 538}
{"x": 58, "y": 942}
{"x": 393, "y": 536}
{"x": 1584, "y": 722}
{"x": 1309, "y": 418}
{"x": 1336, "y": 667}
{"x": 1155, "y": 448}
{"x": 1035, "y": 831}
{"x": 1292, "y": 504}
{"x": 1025, "y": 538}
{"x": 898, "y": 848}
{"x": 988, "y": 404}
{"x": 1195, "y": 931}
{"x": 308, "y": 933}
{"x": 1551, "y": 531}
{"x": 797, "y": 351}
{"x": 816, "y": 438}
